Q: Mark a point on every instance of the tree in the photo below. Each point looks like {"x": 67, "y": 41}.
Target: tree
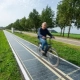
{"x": 73, "y": 12}
{"x": 77, "y": 12}
{"x": 35, "y": 19}
{"x": 61, "y": 19}
{"x": 47, "y": 16}
{"x": 17, "y": 25}
{"x": 60, "y": 22}
{"x": 69, "y": 13}
{"x": 28, "y": 24}
{"x": 9, "y": 26}
{"x": 66, "y": 9}
{"x": 22, "y": 23}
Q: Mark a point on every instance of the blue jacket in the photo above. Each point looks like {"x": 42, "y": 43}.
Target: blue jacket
{"x": 43, "y": 32}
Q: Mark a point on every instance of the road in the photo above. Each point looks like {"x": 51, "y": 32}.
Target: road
{"x": 60, "y": 39}
{"x": 35, "y": 67}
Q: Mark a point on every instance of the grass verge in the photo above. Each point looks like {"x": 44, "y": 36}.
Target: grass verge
{"x": 73, "y": 36}
{"x": 9, "y": 69}
{"x": 66, "y": 51}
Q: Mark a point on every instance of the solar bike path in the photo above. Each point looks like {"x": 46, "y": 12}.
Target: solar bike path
{"x": 35, "y": 68}
{"x": 69, "y": 69}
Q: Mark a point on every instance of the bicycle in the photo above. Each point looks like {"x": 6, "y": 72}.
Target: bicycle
{"x": 52, "y": 55}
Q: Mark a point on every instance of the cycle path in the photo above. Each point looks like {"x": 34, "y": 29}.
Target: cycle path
{"x": 33, "y": 65}
{"x": 65, "y": 66}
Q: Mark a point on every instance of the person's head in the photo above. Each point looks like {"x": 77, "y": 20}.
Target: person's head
{"x": 44, "y": 25}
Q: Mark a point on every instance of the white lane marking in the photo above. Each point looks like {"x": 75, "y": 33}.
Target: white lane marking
{"x": 73, "y": 71}
{"x": 18, "y": 61}
{"x": 44, "y": 60}
{"x": 29, "y": 60}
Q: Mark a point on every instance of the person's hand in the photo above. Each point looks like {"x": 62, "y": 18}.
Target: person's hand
{"x": 44, "y": 37}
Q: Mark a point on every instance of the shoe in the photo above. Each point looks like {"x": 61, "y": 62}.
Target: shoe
{"x": 44, "y": 55}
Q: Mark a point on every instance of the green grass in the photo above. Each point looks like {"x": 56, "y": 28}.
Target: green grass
{"x": 74, "y": 36}
{"x": 66, "y": 51}
{"x": 9, "y": 69}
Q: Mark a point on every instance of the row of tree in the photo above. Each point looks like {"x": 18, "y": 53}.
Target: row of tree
{"x": 34, "y": 20}
{"x": 68, "y": 12}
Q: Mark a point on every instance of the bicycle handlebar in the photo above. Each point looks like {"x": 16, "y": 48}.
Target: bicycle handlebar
{"x": 50, "y": 41}
{"x": 50, "y": 37}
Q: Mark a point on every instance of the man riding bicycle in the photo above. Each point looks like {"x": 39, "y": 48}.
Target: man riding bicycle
{"x": 42, "y": 33}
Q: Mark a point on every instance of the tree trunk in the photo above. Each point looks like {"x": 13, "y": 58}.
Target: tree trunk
{"x": 63, "y": 31}
{"x": 69, "y": 31}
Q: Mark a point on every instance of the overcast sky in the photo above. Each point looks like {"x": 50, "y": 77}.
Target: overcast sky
{"x": 10, "y": 10}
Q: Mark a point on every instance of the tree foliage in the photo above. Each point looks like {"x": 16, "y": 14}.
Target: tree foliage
{"x": 22, "y": 23}
{"x": 47, "y": 16}
{"x": 67, "y": 13}
{"x": 35, "y": 19}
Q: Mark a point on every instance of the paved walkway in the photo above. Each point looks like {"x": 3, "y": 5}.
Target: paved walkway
{"x": 60, "y": 39}
{"x": 34, "y": 67}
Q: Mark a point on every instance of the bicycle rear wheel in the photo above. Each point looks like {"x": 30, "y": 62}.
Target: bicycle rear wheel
{"x": 53, "y": 57}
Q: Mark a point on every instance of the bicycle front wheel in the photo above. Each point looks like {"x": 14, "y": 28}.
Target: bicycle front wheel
{"x": 53, "y": 57}
{"x": 39, "y": 49}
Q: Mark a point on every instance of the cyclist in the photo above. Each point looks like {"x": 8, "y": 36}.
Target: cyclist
{"x": 42, "y": 33}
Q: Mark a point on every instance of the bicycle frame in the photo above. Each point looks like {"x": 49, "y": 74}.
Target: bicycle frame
{"x": 49, "y": 43}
